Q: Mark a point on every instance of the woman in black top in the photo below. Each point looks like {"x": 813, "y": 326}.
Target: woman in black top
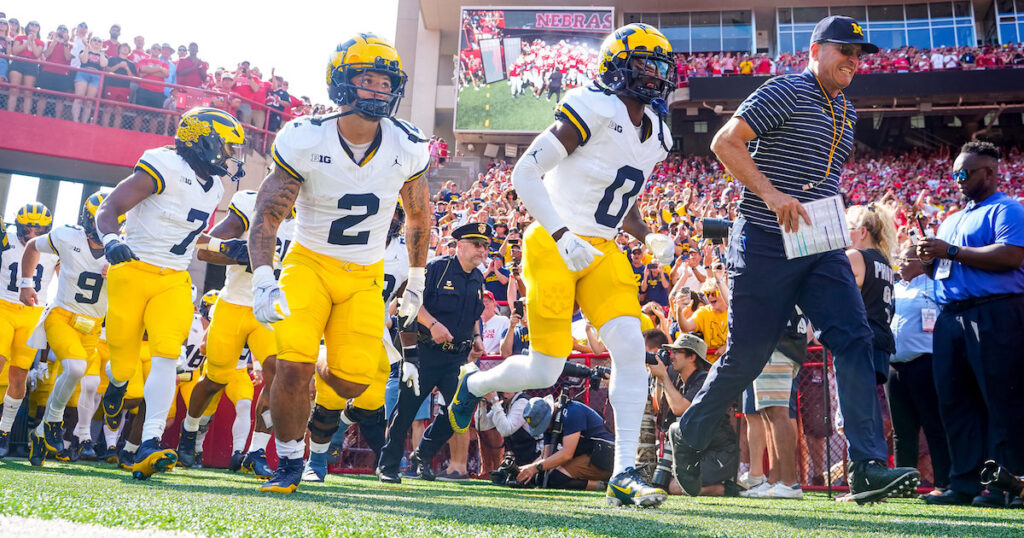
{"x": 117, "y": 89}
{"x": 873, "y": 233}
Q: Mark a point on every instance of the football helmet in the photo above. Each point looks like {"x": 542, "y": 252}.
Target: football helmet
{"x": 32, "y": 215}
{"x": 636, "y": 61}
{"x": 209, "y": 299}
{"x": 207, "y": 138}
{"x": 364, "y": 53}
{"x": 397, "y": 221}
{"x": 87, "y": 219}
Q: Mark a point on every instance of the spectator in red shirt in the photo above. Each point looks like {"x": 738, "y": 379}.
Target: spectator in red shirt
{"x": 763, "y": 66}
{"x": 54, "y": 77}
{"x": 117, "y": 89}
{"x": 13, "y": 28}
{"x": 442, "y": 152}
{"x": 153, "y": 71}
{"x": 139, "y": 53}
{"x": 224, "y": 97}
{"x": 192, "y": 70}
{"x": 24, "y": 73}
{"x": 246, "y": 88}
{"x": 110, "y": 45}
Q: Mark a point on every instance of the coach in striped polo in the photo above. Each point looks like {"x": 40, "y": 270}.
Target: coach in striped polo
{"x": 787, "y": 144}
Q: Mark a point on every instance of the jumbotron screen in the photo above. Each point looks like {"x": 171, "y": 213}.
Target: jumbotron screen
{"x": 515, "y": 64}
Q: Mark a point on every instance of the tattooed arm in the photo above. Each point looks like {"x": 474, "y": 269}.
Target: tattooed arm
{"x": 274, "y": 202}
{"x": 416, "y": 202}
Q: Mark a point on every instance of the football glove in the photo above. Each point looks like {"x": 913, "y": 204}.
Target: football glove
{"x": 576, "y": 252}
{"x": 117, "y": 251}
{"x": 662, "y": 247}
{"x": 410, "y": 369}
{"x": 267, "y": 297}
{"x": 236, "y": 249}
{"x": 412, "y": 299}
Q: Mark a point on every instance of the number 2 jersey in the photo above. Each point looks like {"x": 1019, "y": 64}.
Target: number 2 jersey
{"x": 10, "y": 271}
{"x": 344, "y": 207}
{"x": 162, "y": 229}
{"x": 81, "y": 286}
{"x": 237, "y": 288}
{"x": 594, "y": 187}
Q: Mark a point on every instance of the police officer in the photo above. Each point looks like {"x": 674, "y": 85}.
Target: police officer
{"x": 978, "y": 357}
{"x": 448, "y": 330}
{"x": 805, "y": 115}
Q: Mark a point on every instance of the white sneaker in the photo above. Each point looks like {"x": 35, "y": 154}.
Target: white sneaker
{"x": 758, "y": 491}
{"x": 782, "y": 491}
{"x": 747, "y": 482}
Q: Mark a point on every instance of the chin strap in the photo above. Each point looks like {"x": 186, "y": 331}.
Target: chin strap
{"x": 318, "y": 120}
{"x": 660, "y": 108}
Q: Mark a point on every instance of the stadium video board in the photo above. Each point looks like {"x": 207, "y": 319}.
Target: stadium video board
{"x": 515, "y": 64}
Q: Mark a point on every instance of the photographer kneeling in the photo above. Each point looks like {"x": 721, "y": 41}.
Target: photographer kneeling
{"x": 585, "y": 447}
{"x": 721, "y": 458}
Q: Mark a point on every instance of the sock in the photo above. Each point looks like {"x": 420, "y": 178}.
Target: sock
{"x": 131, "y": 447}
{"x": 339, "y": 436}
{"x": 627, "y": 386}
{"x": 259, "y": 441}
{"x": 204, "y": 428}
{"x": 11, "y": 406}
{"x": 318, "y": 454}
{"x": 519, "y": 372}
{"x": 86, "y": 407}
{"x": 159, "y": 394}
{"x": 240, "y": 427}
{"x": 110, "y": 377}
{"x": 110, "y": 436}
{"x": 191, "y": 424}
{"x": 269, "y": 422}
{"x": 293, "y": 450}
{"x": 63, "y": 388}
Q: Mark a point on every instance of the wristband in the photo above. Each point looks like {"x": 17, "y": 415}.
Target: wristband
{"x": 214, "y": 244}
{"x": 107, "y": 239}
{"x": 26, "y": 283}
{"x": 540, "y": 467}
{"x": 432, "y": 325}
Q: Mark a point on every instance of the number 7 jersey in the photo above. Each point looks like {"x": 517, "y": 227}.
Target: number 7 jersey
{"x": 594, "y": 187}
{"x": 346, "y": 201}
{"x": 162, "y": 229}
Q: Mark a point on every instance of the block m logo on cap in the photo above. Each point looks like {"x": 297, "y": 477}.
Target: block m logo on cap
{"x": 857, "y": 30}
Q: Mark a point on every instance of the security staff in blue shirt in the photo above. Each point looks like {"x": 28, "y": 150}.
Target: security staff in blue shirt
{"x": 787, "y": 144}
{"x": 978, "y": 358}
{"x": 913, "y": 403}
{"x": 448, "y": 331}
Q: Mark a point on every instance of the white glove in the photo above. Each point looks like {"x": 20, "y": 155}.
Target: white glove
{"x": 662, "y": 247}
{"x": 576, "y": 252}
{"x": 412, "y": 299}
{"x": 267, "y": 296}
{"x": 411, "y": 377}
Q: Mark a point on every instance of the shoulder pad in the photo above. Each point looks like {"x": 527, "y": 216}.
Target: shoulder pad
{"x": 597, "y": 103}
{"x": 411, "y": 131}
{"x": 299, "y": 133}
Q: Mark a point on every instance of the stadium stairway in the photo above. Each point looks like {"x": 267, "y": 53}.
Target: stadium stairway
{"x": 462, "y": 170}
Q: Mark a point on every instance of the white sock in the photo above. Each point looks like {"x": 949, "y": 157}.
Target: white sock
{"x": 110, "y": 436}
{"x": 131, "y": 447}
{"x": 63, "y": 387}
{"x": 11, "y": 406}
{"x": 159, "y": 394}
{"x": 519, "y": 372}
{"x": 204, "y": 422}
{"x": 240, "y": 427}
{"x": 110, "y": 377}
{"x": 627, "y": 386}
{"x": 191, "y": 424}
{"x": 86, "y": 407}
{"x": 293, "y": 450}
{"x": 318, "y": 448}
{"x": 259, "y": 441}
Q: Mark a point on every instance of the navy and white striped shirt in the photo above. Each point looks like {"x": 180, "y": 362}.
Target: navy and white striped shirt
{"x": 790, "y": 117}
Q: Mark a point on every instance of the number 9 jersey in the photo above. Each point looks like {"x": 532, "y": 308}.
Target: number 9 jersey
{"x": 80, "y": 283}
{"x": 346, "y": 201}
{"x": 162, "y": 229}
{"x": 594, "y": 187}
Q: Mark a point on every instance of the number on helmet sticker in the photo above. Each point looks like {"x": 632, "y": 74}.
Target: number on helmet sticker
{"x": 340, "y": 233}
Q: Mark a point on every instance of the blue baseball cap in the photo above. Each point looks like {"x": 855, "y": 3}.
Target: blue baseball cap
{"x": 837, "y": 29}
{"x": 537, "y": 414}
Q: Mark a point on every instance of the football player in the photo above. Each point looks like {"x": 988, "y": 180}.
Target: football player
{"x": 332, "y": 415}
{"x": 17, "y": 321}
{"x": 344, "y": 173}
{"x": 168, "y": 201}
{"x": 190, "y": 368}
{"x": 73, "y": 320}
{"x": 594, "y": 161}
{"x": 232, "y": 328}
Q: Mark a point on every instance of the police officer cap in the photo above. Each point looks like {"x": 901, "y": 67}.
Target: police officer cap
{"x": 837, "y": 29}
{"x": 692, "y": 343}
{"x": 474, "y": 230}
{"x": 537, "y": 414}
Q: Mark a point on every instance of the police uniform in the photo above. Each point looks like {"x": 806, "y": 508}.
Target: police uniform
{"x": 17, "y": 321}
{"x": 333, "y": 276}
{"x": 153, "y": 294}
{"x": 591, "y": 189}
{"x": 455, "y": 298}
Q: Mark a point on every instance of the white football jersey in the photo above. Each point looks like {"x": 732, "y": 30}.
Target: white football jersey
{"x": 237, "y": 288}
{"x": 10, "y": 271}
{"x": 162, "y": 230}
{"x": 594, "y": 187}
{"x": 81, "y": 287}
{"x": 193, "y": 358}
{"x": 345, "y": 207}
{"x": 396, "y": 268}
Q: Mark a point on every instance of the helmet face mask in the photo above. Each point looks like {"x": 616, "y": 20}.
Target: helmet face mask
{"x": 364, "y": 54}
{"x": 636, "y": 62}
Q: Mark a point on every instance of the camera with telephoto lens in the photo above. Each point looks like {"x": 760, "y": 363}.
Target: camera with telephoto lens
{"x": 507, "y": 473}
{"x": 716, "y": 229}
{"x": 663, "y": 472}
{"x": 993, "y": 474}
{"x": 660, "y": 357}
{"x": 595, "y": 374}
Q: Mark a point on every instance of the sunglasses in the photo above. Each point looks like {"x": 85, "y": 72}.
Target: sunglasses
{"x": 849, "y": 49}
{"x": 906, "y": 259}
{"x": 712, "y": 293}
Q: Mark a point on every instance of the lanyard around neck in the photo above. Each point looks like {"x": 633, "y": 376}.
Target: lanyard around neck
{"x": 837, "y": 138}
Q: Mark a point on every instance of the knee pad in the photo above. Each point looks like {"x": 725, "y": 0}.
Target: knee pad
{"x": 74, "y": 367}
{"x": 356, "y": 415}
{"x": 623, "y": 333}
{"x": 324, "y": 422}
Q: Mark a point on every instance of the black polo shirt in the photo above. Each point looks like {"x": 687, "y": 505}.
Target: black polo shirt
{"x": 453, "y": 296}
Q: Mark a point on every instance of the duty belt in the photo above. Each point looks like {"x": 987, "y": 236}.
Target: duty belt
{"x": 956, "y": 307}
{"x": 447, "y": 347}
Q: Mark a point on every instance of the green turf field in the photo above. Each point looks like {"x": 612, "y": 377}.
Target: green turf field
{"x": 493, "y": 108}
{"x": 219, "y": 503}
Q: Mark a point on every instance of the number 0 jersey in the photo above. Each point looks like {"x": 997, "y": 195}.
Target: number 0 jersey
{"x": 10, "y": 271}
{"x": 594, "y": 187}
{"x": 80, "y": 285}
{"x": 344, "y": 207}
{"x": 162, "y": 230}
{"x": 238, "y": 282}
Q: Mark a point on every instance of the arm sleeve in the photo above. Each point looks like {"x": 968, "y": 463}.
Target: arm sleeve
{"x": 769, "y": 106}
{"x": 544, "y": 153}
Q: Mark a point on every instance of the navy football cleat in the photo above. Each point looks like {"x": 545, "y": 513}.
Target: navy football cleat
{"x": 463, "y": 405}
{"x": 629, "y": 488}
{"x": 151, "y": 459}
{"x": 255, "y": 462}
{"x": 286, "y": 478}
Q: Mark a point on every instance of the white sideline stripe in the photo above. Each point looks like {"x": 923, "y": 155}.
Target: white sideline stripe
{"x": 22, "y": 526}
